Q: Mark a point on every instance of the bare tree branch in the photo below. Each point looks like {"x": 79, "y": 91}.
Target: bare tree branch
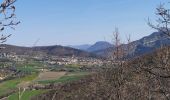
{"x": 7, "y": 9}
{"x": 163, "y": 21}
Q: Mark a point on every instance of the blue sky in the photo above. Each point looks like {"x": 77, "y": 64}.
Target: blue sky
{"x": 74, "y": 22}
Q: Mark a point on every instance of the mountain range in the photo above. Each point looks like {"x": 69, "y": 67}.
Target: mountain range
{"x": 139, "y": 47}
{"x": 149, "y": 43}
{"x": 102, "y": 48}
{"x": 142, "y": 46}
{"x": 55, "y": 50}
{"x": 100, "y": 45}
{"x": 81, "y": 47}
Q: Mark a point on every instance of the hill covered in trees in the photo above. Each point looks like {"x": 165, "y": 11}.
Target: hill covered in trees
{"x": 55, "y": 50}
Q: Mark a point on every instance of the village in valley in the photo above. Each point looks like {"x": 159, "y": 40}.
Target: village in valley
{"x": 78, "y": 55}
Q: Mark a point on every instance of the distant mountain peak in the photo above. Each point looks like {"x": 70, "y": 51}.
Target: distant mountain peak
{"x": 100, "y": 45}
{"x": 80, "y": 47}
{"x": 142, "y": 46}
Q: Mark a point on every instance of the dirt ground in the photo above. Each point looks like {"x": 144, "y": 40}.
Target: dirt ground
{"x": 24, "y": 84}
{"x": 50, "y": 75}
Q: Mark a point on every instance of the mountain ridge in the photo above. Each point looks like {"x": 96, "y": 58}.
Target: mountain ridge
{"x": 80, "y": 47}
{"x": 100, "y": 45}
{"x": 142, "y": 46}
{"x": 56, "y": 50}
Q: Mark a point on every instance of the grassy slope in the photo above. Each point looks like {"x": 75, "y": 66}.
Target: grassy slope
{"x": 26, "y": 95}
{"x": 67, "y": 78}
{"x": 12, "y": 84}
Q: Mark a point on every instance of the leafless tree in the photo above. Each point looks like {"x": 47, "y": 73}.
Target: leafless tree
{"x": 116, "y": 42}
{"x": 128, "y": 38}
{"x": 8, "y": 18}
{"x": 161, "y": 68}
{"x": 163, "y": 21}
{"x": 162, "y": 26}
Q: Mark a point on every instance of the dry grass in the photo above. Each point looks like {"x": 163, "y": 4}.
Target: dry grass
{"x": 50, "y": 75}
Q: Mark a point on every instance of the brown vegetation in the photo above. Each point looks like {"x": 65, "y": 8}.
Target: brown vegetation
{"x": 144, "y": 78}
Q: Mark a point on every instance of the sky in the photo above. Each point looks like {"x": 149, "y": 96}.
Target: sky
{"x": 75, "y": 22}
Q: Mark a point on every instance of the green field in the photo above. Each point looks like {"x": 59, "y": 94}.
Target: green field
{"x": 67, "y": 68}
{"x": 26, "y": 95}
{"x": 12, "y": 84}
{"x": 31, "y": 71}
{"x": 31, "y": 64}
{"x": 30, "y": 67}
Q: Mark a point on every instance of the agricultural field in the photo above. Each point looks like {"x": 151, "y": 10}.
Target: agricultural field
{"x": 68, "y": 77}
{"x": 10, "y": 85}
{"x": 46, "y": 78}
{"x": 36, "y": 73}
{"x": 33, "y": 66}
{"x": 26, "y": 95}
{"x": 25, "y": 74}
{"x": 67, "y": 68}
{"x": 50, "y": 75}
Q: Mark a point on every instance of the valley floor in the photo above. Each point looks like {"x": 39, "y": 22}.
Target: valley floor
{"x": 36, "y": 83}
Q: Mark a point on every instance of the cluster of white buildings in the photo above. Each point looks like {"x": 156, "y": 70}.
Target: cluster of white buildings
{"x": 65, "y": 60}
{"x": 74, "y": 61}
